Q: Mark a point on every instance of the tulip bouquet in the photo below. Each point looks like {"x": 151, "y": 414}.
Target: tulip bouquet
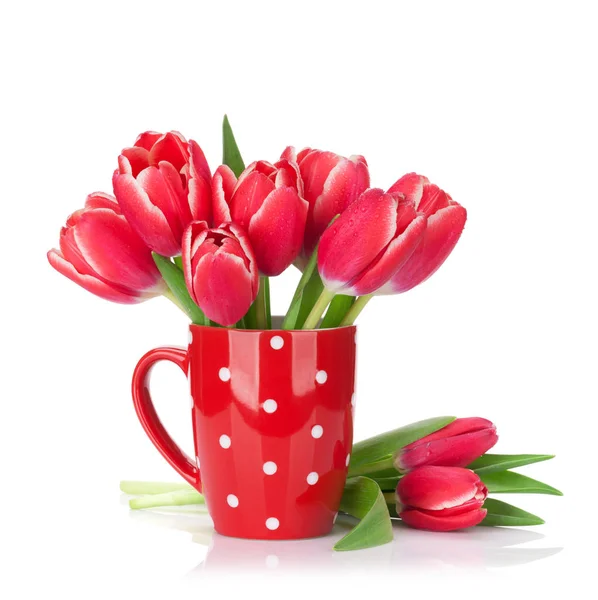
{"x": 211, "y": 241}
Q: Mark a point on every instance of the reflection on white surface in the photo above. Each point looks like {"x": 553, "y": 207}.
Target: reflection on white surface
{"x": 479, "y": 548}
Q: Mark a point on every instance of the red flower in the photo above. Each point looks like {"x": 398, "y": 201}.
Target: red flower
{"x": 446, "y": 220}
{"x": 220, "y": 271}
{"x": 456, "y": 445}
{"x": 266, "y": 201}
{"x": 331, "y": 183}
{"x": 100, "y": 251}
{"x": 369, "y": 242}
{"x": 441, "y": 498}
{"x": 162, "y": 184}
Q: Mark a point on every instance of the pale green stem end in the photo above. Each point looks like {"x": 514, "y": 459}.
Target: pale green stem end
{"x": 354, "y": 311}
{"x": 318, "y": 310}
{"x": 177, "y": 498}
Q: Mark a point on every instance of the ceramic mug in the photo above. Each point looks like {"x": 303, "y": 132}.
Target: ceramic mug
{"x": 272, "y": 415}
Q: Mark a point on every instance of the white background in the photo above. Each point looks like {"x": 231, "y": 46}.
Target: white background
{"x": 495, "y": 102}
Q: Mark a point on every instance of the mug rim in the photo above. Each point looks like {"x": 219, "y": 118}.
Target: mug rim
{"x": 191, "y": 325}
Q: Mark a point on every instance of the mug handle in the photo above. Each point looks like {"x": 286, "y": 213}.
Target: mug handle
{"x": 149, "y": 418}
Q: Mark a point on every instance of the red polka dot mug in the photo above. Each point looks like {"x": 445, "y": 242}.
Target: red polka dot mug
{"x": 272, "y": 415}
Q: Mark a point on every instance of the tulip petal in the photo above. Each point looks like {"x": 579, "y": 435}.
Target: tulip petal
{"x": 146, "y": 218}
{"x": 341, "y": 188}
{"x": 276, "y": 230}
{"x": 171, "y": 147}
{"x": 178, "y": 195}
{"x": 223, "y": 287}
{"x": 456, "y": 451}
{"x": 437, "y": 488}
{"x": 420, "y": 520}
{"x": 249, "y": 194}
{"x": 433, "y": 199}
{"x": 411, "y": 186}
{"x": 442, "y": 234}
{"x": 147, "y": 139}
{"x": 391, "y": 260}
{"x": 91, "y": 283}
{"x": 199, "y": 184}
{"x": 102, "y": 200}
{"x": 111, "y": 248}
{"x": 138, "y": 159}
{"x": 223, "y": 184}
{"x": 356, "y": 239}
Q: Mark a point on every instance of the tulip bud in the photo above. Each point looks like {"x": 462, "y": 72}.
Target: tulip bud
{"x": 331, "y": 183}
{"x": 162, "y": 184}
{"x": 100, "y": 251}
{"x": 220, "y": 271}
{"x": 446, "y": 220}
{"x": 369, "y": 242}
{"x": 441, "y": 498}
{"x": 267, "y": 203}
{"x": 456, "y": 445}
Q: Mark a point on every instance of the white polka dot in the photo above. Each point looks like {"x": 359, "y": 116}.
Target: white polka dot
{"x": 224, "y": 374}
{"x": 232, "y": 501}
{"x": 353, "y": 399}
{"x": 276, "y": 342}
{"x": 190, "y": 336}
{"x": 321, "y": 377}
{"x": 312, "y": 478}
{"x": 270, "y": 406}
{"x": 272, "y": 523}
{"x": 348, "y": 460}
{"x": 272, "y": 561}
{"x": 270, "y": 468}
{"x": 317, "y": 431}
{"x": 224, "y": 441}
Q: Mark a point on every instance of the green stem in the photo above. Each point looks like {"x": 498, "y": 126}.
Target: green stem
{"x": 318, "y": 310}
{"x": 177, "y": 498}
{"x": 369, "y": 469}
{"x": 354, "y": 311}
{"x": 390, "y": 497}
{"x": 151, "y": 487}
{"x": 260, "y": 305}
{"x": 268, "y": 308}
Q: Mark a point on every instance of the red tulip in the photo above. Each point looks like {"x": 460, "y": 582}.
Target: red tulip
{"x": 446, "y": 220}
{"x": 267, "y": 202}
{"x": 331, "y": 183}
{"x": 369, "y": 242}
{"x": 162, "y": 184}
{"x": 100, "y": 251}
{"x": 441, "y": 498}
{"x": 220, "y": 271}
{"x": 456, "y": 445}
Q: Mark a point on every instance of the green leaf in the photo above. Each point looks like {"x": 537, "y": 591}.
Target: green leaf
{"x": 381, "y": 446}
{"x": 151, "y": 487}
{"x": 491, "y": 463}
{"x": 387, "y": 484}
{"x": 363, "y": 500}
{"x": 508, "y": 482}
{"x": 231, "y": 156}
{"x": 175, "y": 280}
{"x": 503, "y": 514}
{"x": 336, "y": 311}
